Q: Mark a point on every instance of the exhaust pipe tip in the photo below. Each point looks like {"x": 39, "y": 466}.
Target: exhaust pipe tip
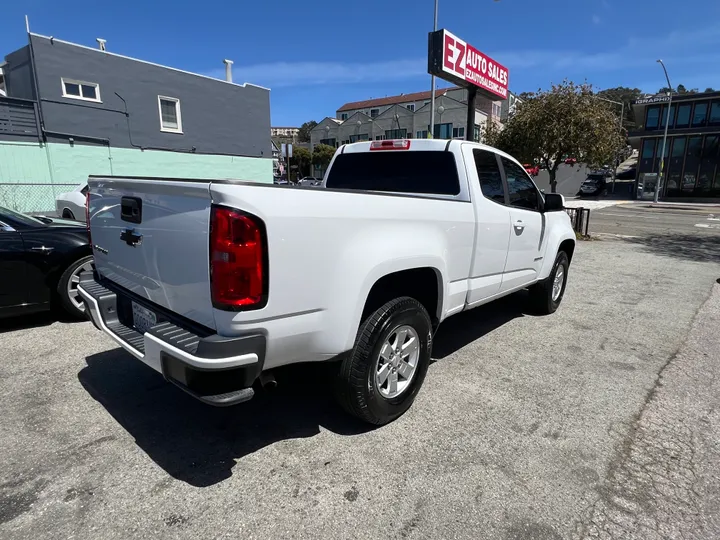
{"x": 267, "y": 380}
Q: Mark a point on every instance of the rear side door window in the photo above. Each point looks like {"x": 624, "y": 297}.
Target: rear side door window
{"x": 489, "y": 175}
{"x": 522, "y": 192}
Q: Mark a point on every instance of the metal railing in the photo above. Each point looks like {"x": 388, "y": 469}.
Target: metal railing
{"x": 580, "y": 218}
{"x": 32, "y": 198}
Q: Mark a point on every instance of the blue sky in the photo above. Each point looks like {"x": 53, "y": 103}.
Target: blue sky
{"x": 317, "y": 55}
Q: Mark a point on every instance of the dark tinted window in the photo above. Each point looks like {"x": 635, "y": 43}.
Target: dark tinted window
{"x": 683, "y": 115}
{"x": 653, "y": 117}
{"x": 431, "y": 172}
{"x": 521, "y": 189}
{"x": 699, "y": 114}
{"x": 489, "y": 175}
{"x": 715, "y": 113}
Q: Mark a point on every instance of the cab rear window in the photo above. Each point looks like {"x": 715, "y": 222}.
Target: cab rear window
{"x": 400, "y": 171}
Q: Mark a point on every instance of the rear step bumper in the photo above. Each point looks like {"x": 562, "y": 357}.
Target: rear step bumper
{"x": 217, "y": 370}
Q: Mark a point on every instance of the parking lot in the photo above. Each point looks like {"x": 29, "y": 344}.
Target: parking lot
{"x": 600, "y": 421}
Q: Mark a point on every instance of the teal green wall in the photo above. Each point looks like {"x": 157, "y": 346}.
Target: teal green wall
{"x": 54, "y": 168}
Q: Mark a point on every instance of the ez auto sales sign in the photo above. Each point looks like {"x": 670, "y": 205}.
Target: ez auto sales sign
{"x": 453, "y": 59}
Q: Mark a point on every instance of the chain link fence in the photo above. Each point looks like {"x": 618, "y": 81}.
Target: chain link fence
{"x": 32, "y": 198}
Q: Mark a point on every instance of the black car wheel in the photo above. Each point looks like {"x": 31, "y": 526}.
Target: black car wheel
{"x": 67, "y": 287}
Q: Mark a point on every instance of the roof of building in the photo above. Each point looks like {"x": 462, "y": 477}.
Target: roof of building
{"x": 391, "y": 100}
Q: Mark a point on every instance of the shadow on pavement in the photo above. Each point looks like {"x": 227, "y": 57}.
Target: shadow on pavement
{"x": 199, "y": 444}
{"x": 694, "y": 247}
{"x": 467, "y": 327}
{"x": 34, "y": 320}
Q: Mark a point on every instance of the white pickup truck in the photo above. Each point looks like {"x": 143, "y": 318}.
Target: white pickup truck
{"x": 215, "y": 283}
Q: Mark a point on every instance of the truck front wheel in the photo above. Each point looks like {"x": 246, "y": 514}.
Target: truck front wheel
{"x": 379, "y": 379}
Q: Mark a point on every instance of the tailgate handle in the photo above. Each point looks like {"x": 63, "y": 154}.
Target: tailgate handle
{"x": 131, "y": 209}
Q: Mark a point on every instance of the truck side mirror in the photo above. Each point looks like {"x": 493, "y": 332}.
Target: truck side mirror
{"x": 554, "y": 202}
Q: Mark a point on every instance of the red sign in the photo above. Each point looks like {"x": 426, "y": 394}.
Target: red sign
{"x": 463, "y": 62}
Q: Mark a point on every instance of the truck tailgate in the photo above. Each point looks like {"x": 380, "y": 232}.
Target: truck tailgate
{"x": 151, "y": 238}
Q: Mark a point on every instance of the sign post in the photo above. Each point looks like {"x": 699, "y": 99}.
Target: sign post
{"x": 456, "y": 61}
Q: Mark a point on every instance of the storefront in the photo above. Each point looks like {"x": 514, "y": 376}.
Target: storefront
{"x": 692, "y": 152}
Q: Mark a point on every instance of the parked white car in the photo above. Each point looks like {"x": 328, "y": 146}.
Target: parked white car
{"x": 216, "y": 283}
{"x": 71, "y": 205}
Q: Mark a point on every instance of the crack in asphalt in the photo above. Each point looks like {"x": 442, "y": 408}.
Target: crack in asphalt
{"x": 650, "y": 489}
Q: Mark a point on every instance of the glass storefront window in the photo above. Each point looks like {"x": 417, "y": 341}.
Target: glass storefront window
{"x": 648, "y": 149}
{"x": 700, "y": 115}
{"x": 692, "y": 163}
{"x": 707, "y": 166}
{"x": 653, "y": 117}
{"x": 715, "y": 113}
{"x": 678, "y": 149}
{"x": 683, "y": 116}
{"x": 675, "y": 167}
{"x": 663, "y": 116}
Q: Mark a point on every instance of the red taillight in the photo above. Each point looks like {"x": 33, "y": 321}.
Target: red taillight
{"x": 402, "y": 144}
{"x": 238, "y": 264}
{"x": 87, "y": 214}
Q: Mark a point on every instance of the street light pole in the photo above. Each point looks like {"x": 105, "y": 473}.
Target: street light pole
{"x": 432, "y": 83}
{"x": 667, "y": 125}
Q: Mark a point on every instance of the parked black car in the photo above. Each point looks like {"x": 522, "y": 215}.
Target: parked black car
{"x": 41, "y": 260}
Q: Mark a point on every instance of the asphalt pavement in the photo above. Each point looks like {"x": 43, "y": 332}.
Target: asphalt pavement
{"x": 600, "y": 421}
{"x": 639, "y": 220}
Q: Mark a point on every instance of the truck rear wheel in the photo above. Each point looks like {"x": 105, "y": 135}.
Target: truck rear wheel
{"x": 379, "y": 379}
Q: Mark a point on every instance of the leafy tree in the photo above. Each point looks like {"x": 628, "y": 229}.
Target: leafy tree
{"x": 565, "y": 121}
{"x": 302, "y": 158}
{"x": 710, "y": 89}
{"x": 322, "y": 154}
{"x": 626, "y": 96}
{"x": 305, "y": 129}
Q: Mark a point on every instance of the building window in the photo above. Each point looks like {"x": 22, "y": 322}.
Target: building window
{"x": 653, "y": 117}
{"x": 411, "y": 107}
{"x": 81, "y": 90}
{"x": 329, "y": 142}
{"x": 700, "y": 115}
{"x": 459, "y": 133}
{"x": 683, "y": 116}
{"x": 358, "y": 138}
{"x": 374, "y": 113}
{"x": 715, "y": 113}
{"x": 422, "y": 134}
{"x": 663, "y": 116}
{"x": 343, "y": 116}
{"x": 442, "y": 131}
{"x": 476, "y": 133}
{"x": 395, "y": 133}
{"x": 380, "y": 137}
{"x": 170, "y": 119}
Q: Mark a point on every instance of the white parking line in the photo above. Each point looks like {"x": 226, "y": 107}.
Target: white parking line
{"x": 615, "y": 235}
{"x": 707, "y": 226}
{"x": 625, "y": 215}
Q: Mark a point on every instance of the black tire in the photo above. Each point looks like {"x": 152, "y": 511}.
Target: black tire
{"x": 64, "y": 297}
{"x": 356, "y": 388}
{"x": 541, "y": 294}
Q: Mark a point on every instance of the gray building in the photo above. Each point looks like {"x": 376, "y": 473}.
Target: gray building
{"x": 92, "y": 111}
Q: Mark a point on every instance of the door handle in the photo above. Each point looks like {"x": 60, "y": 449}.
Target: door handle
{"x": 519, "y": 225}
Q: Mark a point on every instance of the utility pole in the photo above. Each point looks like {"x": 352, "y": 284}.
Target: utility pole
{"x": 658, "y": 186}
{"x": 431, "y": 133}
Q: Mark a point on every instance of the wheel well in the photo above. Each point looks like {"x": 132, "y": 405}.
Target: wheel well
{"x": 568, "y": 246}
{"x": 422, "y": 284}
{"x": 67, "y": 213}
{"x": 53, "y": 277}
